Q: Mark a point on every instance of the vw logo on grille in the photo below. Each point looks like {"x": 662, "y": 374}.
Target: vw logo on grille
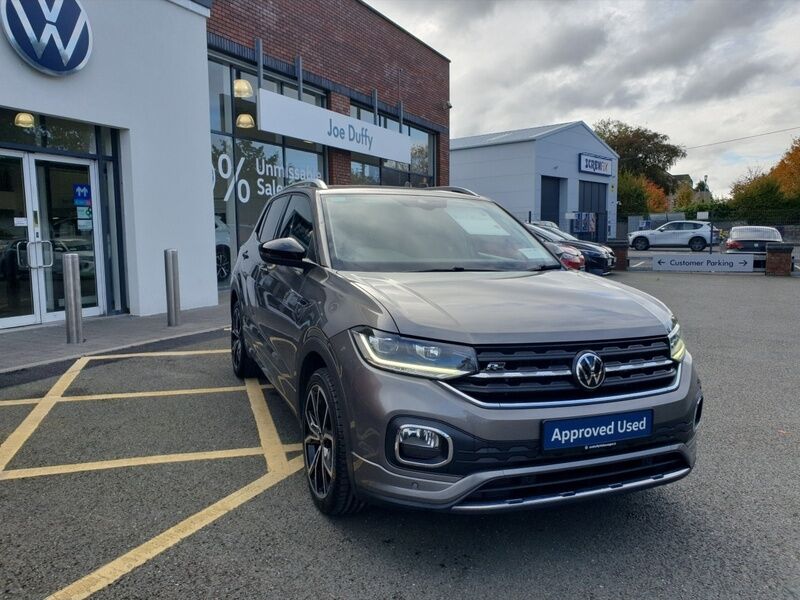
{"x": 53, "y": 36}
{"x": 589, "y": 370}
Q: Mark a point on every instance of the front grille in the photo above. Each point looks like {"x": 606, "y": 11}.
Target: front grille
{"x": 577, "y": 480}
{"x": 535, "y": 373}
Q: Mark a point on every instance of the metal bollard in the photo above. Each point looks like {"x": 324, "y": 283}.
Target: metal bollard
{"x": 173, "y": 287}
{"x": 72, "y": 299}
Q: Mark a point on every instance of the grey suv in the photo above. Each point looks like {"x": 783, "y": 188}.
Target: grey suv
{"x": 437, "y": 356}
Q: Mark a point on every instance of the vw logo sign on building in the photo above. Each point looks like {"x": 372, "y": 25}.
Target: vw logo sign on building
{"x": 53, "y": 36}
{"x": 589, "y": 370}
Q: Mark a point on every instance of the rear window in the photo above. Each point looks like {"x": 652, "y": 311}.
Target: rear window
{"x": 756, "y": 233}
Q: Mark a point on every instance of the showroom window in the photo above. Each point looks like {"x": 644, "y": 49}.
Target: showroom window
{"x": 419, "y": 173}
{"x": 250, "y": 165}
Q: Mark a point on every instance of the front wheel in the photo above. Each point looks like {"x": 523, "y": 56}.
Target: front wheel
{"x": 697, "y": 244}
{"x": 324, "y": 449}
{"x": 243, "y": 365}
{"x": 641, "y": 243}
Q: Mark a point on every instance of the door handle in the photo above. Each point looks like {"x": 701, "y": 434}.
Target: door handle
{"x": 16, "y": 250}
{"x": 245, "y": 254}
{"x": 52, "y": 256}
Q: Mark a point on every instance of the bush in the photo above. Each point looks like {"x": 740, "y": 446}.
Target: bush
{"x": 631, "y": 194}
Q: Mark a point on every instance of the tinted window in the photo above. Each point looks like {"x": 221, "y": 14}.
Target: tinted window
{"x": 298, "y": 222}
{"x": 273, "y": 216}
{"x": 671, "y": 227}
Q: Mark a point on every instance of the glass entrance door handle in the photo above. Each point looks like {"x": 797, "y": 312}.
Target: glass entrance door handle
{"x": 45, "y": 264}
{"x": 20, "y": 264}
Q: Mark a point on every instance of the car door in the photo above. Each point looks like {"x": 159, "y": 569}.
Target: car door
{"x": 684, "y": 233}
{"x": 665, "y": 235}
{"x": 282, "y": 305}
{"x": 254, "y": 306}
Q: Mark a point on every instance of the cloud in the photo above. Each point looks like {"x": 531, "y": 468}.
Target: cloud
{"x": 698, "y": 70}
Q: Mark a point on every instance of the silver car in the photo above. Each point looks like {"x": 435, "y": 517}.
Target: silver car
{"x": 437, "y": 356}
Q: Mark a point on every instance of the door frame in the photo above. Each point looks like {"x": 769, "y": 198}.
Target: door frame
{"x": 34, "y": 317}
{"x": 59, "y": 315}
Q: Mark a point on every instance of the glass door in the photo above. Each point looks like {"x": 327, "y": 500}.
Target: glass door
{"x": 18, "y": 281}
{"x": 65, "y": 221}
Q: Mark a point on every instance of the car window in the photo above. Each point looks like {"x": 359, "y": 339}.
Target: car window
{"x": 298, "y": 222}
{"x": 271, "y": 219}
{"x": 670, "y": 227}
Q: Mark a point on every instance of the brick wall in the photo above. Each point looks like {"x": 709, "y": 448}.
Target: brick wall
{"x": 348, "y": 43}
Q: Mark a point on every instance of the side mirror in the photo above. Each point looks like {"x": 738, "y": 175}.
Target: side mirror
{"x": 283, "y": 251}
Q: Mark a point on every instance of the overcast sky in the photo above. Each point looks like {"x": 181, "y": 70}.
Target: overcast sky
{"x": 700, "y": 71}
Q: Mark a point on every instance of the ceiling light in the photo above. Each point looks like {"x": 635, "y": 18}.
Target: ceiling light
{"x": 25, "y": 120}
{"x": 242, "y": 88}
{"x": 245, "y": 121}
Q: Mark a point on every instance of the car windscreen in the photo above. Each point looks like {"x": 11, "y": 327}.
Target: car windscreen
{"x": 406, "y": 232}
{"x": 756, "y": 233}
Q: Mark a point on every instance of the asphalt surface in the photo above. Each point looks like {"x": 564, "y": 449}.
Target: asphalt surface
{"x": 729, "y": 530}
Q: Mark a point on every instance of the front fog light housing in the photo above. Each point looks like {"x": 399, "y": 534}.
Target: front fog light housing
{"x": 411, "y": 356}
{"x": 422, "y": 446}
{"x": 677, "y": 348}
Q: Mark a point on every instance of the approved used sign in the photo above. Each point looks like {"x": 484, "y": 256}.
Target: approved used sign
{"x": 705, "y": 263}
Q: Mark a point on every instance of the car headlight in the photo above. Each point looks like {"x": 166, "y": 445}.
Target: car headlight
{"x": 677, "y": 348}
{"x": 410, "y": 356}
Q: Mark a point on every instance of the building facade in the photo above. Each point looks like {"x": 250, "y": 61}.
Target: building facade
{"x": 562, "y": 173}
{"x": 129, "y": 127}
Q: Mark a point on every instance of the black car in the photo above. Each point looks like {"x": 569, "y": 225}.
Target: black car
{"x": 600, "y": 259}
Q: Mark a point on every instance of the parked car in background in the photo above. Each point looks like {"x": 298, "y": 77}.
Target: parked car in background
{"x": 567, "y": 254}
{"x": 695, "y": 235}
{"x": 752, "y": 239}
{"x": 550, "y": 224}
{"x": 599, "y": 259}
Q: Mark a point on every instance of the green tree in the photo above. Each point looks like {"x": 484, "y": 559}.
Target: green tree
{"x": 685, "y": 196}
{"x": 762, "y": 202}
{"x": 631, "y": 194}
{"x": 641, "y": 150}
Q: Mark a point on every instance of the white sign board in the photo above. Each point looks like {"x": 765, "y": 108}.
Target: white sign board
{"x": 702, "y": 214}
{"x": 598, "y": 165}
{"x": 704, "y": 263}
{"x": 286, "y": 116}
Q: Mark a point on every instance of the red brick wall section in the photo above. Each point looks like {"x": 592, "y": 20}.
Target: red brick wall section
{"x": 349, "y": 44}
{"x": 339, "y": 160}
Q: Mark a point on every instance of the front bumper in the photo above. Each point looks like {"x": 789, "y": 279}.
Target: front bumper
{"x": 504, "y": 467}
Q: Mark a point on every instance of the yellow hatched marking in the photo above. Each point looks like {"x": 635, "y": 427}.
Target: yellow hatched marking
{"x": 19, "y": 402}
{"x": 158, "y": 354}
{"x": 154, "y": 394}
{"x": 129, "y": 462}
{"x": 267, "y": 432}
{"x": 292, "y": 447}
{"x": 21, "y": 434}
{"x": 111, "y": 572}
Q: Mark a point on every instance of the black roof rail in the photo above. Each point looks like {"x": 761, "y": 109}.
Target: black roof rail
{"x": 315, "y": 183}
{"x": 454, "y": 188}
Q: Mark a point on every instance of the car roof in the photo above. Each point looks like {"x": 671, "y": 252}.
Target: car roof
{"x": 403, "y": 190}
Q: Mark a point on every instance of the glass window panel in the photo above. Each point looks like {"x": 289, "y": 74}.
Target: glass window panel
{"x": 219, "y": 90}
{"x": 364, "y": 174}
{"x": 420, "y": 152}
{"x": 366, "y": 115}
{"x": 289, "y": 90}
{"x": 393, "y": 177}
{"x": 421, "y": 180}
{"x": 261, "y": 175}
{"x": 272, "y": 218}
{"x": 391, "y": 124}
{"x": 223, "y": 169}
{"x": 14, "y": 134}
{"x": 67, "y": 135}
{"x": 298, "y": 222}
{"x": 354, "y": 111}
{"x": 314, "y": 99}
{"x": 106, "y": 146}
{"x": 301, "y": 165}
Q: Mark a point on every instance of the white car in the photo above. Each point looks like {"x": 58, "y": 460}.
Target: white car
{"x": 695, "y": 235}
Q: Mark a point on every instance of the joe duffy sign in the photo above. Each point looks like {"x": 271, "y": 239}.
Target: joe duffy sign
{"x": 285, "y": 116}
{"x": 598, "y": 165}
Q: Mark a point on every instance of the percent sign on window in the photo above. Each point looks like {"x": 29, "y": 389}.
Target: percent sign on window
{"x": 225, "y": 170}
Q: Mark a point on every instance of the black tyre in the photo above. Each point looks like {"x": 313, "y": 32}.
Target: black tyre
{"x": 641, "y": 243}
{"x": 324, "y": 449}
{"x": 697, "y": 244}
{"x": 243, "y": 365}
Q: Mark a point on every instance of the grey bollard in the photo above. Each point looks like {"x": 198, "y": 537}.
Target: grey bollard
{"x": 173, "y": 287}
{"x": 72, "y": 299}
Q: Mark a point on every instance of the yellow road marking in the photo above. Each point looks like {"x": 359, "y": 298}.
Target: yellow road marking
{"x": 19, "y": 402}
{"x": 267, "y": 433}
{"x": 21, "y": 434}
{"x": 128, "y": 462}
{"x": 111, "y": 572}
{"x": 292, "y": 447}
{"x": 154, "y": 394}
{"x": 158, "y": 354}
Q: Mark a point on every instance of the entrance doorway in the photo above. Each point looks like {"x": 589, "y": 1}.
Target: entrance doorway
{"x": 47, "y": 211}
{"x": 551, "y": 199}
{"x": 592, "y": 199}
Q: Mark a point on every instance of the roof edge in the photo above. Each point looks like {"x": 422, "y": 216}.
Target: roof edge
{"x": 403, "y": 29}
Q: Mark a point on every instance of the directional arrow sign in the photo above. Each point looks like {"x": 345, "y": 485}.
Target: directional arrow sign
{"x": 703, "y": 263}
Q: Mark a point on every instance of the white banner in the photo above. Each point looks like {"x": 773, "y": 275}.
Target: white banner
{"x": 704, "y": 263}
{"x": 286, "y": 116}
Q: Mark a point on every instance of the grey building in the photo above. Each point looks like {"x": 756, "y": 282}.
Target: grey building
{"x": 563, "y": 173}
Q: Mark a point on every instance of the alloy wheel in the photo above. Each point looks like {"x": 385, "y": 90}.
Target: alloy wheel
{"x": 318, "y": 444}
{"x": 223, "y": 266}
{"x": 236, "y": 336}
